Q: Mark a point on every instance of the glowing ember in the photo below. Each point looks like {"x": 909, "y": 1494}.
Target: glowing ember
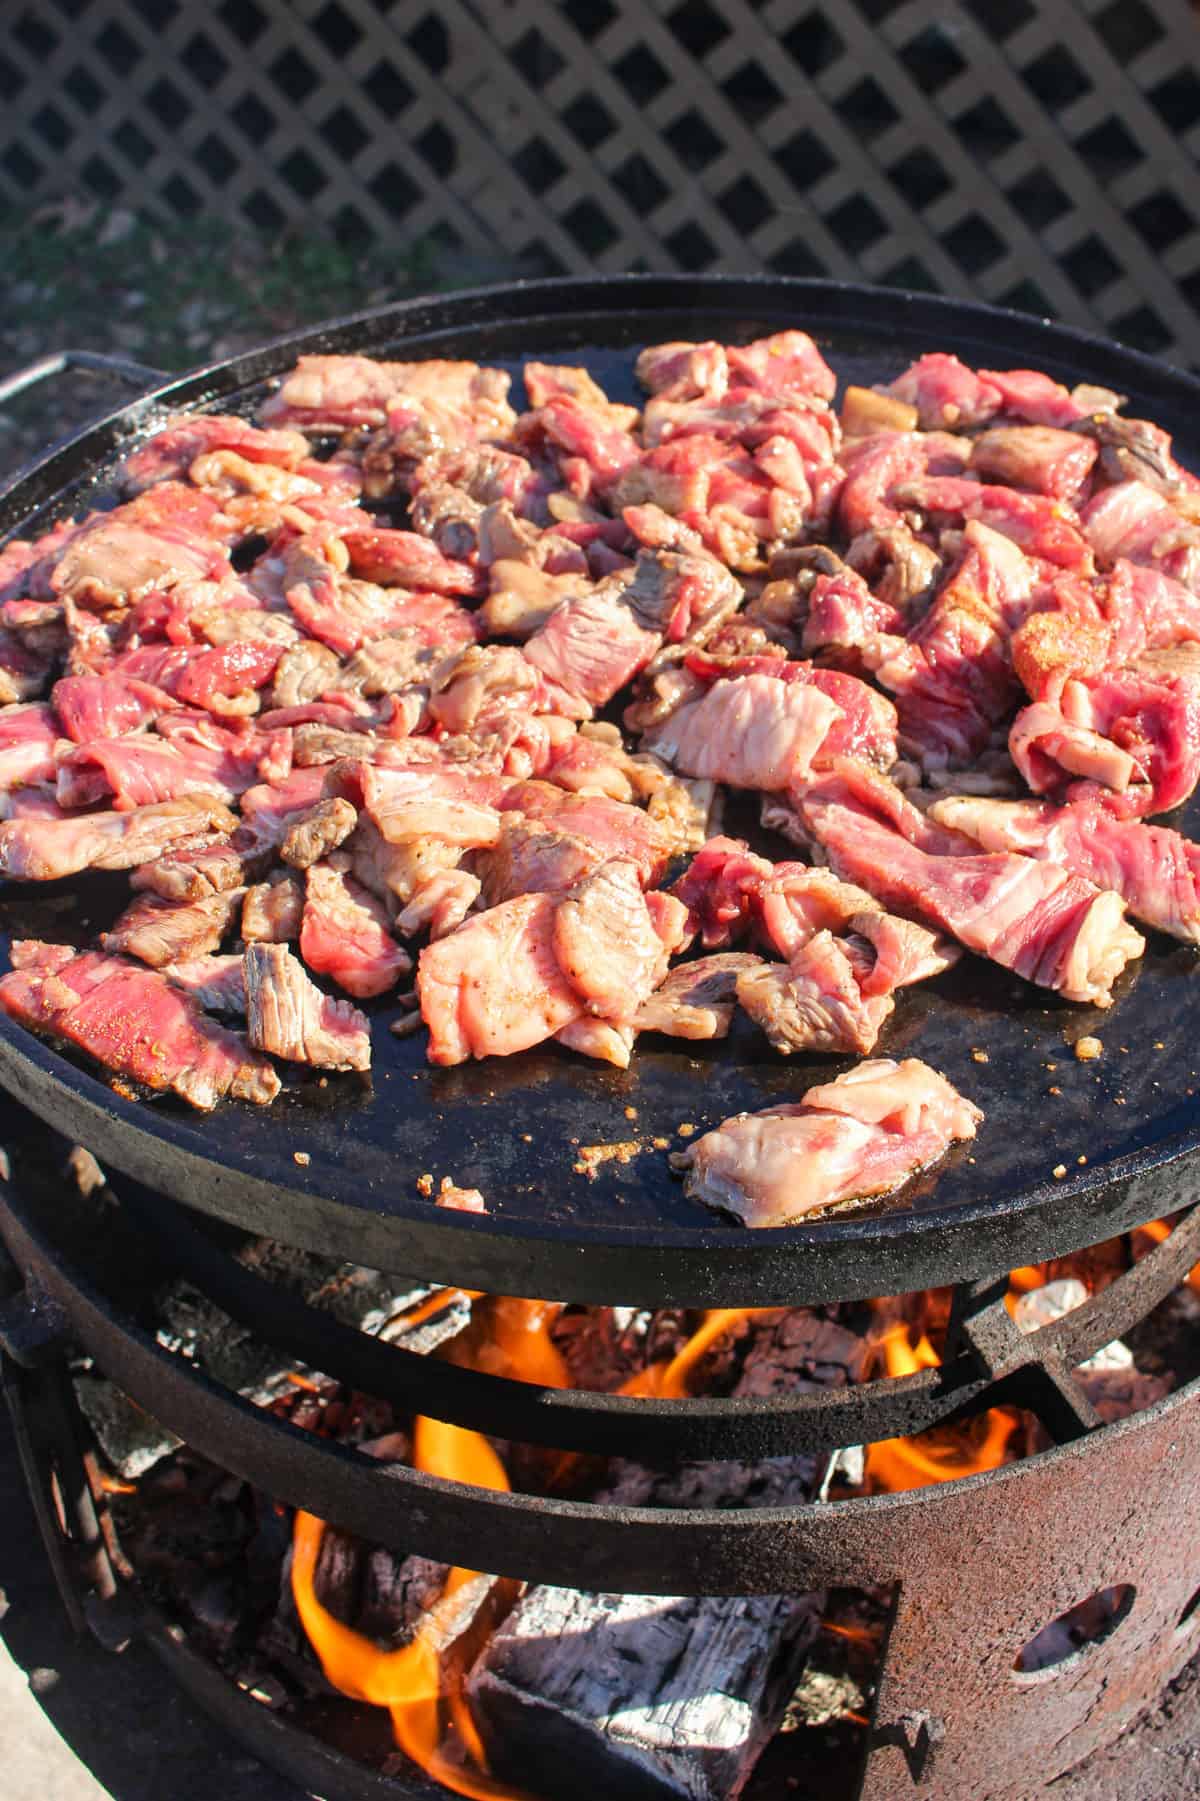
{"x": 943, "y": 1453}
{"x": 670, "y": 1380}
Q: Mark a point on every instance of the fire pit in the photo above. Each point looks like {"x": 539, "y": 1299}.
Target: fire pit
{"x": 976, "y": 1677}
{"x": 1031, "y": 1606}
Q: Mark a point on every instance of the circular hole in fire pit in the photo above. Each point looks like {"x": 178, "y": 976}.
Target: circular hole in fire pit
{"x": 1065, "y": 1640}
{"x": 1190, "y": 1614}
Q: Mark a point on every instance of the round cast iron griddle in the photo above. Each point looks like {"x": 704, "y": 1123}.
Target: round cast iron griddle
{"x": 1122, "y": 1129}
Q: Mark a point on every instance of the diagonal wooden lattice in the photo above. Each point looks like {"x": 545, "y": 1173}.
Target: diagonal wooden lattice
{"x": 1039, "y": 156}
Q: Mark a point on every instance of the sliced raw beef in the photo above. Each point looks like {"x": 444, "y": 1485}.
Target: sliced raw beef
{"x": 698, "y": 999}
{"x": 752, "y": 731}
{"x": 42, "y": 850}
{"x": 139, "y": 1027}
{"x": 1155, "y": 871}
{"x": 345, "y": 933}
{"x": 29, "y": 741}
{"x": 329, "y": 392}
{"x": 494, "y": 986}
{"x": 1051, "y": 928}
{"x": 862, "y": 1135}
{"x": 174, "y": 447}
{"x": 1138, "y": 735}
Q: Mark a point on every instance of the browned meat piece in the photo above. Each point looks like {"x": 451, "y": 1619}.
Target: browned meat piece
{"x": 272, "y": 911}
{"x": 898, "y": 568}
{"x": 494, "y": 986}
{"x": 697, "y": 1000}
{"x": 606, "y": 943}
{"x": 189, "y": 873}
{"x": 304, "y": 673}
{"x": 158, "y": 931}
{"x": 317, "y": 832}
{"x": 531, "y": 858}
{"x": 441, "y": 904}
{"x": 521, "y": 598}
{"x": 387, "y": 665}
{"x": 41, "y": 850}
{"x": 288, "y": 1015}
{"x": 598, "y": 1039}
{"x": 815, "y": 1002}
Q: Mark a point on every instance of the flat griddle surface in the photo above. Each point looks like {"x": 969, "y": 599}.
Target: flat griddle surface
{"x": 1122, "y": 1128}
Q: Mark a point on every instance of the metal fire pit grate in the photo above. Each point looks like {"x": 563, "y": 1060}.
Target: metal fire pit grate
{"x": 1041, "y": 157}
{"x": 979, "y": 1566}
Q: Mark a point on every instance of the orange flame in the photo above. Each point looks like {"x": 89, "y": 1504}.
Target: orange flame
{"x": 670, "y": 1380}
{"x": 942, "y": 1453}
{"x": 431, "y": 1719}
{"x": 1158, "y": 1230}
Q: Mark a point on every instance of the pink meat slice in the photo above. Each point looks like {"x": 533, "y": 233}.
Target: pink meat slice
{"x": 607, "y": 944}
{"x": 328, "y": 392}
{"x": 868, "y": 726}
{"x": 141, "y": 770}
{"x": 1136, "y": 734}
{"x": 167, "y": 535}
{"x": 787, "y": 362}
{"x": 859, "y": 1136}
{"x": 494, "y": 986}
{"x": 170, "y": 452}
{"x": 344, "y": 933}
{"x": 752, "y": 731}
{"x": 105, "y": 706}
{"x": 1050, "y": 927}
{"x": 879, "y": 466}
{"x": 610, "y": 826}
{"x": 217, "y": 984}
{"x": 29, "y": 738}
{"x": 287, "y": 1014}
{"x": 407, "y": 560}
{"x": 1041, "y": 527}
{"x": 697, "y": 999}
{"x": 1155, "y": 870}
{"x": 1135, "y": 521}
{"x": 139, "y": 1026}
{"x": 42, "y": 850}
{"x": 1037, "y": 457}
{"x": 592, "y": 644}
{"x": 816, "y": 1001}
{"x": 457, "y": 807}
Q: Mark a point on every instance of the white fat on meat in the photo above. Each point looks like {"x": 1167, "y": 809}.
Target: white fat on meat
{"x": 859, "y": 1136}
{"x": 752, "y": 732}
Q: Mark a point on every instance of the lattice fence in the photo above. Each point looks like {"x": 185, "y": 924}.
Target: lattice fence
{"x": 1043, "y": 156}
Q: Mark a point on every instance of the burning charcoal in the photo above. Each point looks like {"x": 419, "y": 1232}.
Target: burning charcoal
{"x": 667, "y": 1697}
{"x": 653, "y": 1697}
{"x": 131, "y": 1439}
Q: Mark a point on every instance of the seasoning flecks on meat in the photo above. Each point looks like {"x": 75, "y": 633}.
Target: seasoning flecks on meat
{"x": 494, "y": 986}
{"x": 272, "y": 911}
{"x": 315, "y": 833}
{"x": 158, "y": 931}
{"x": 344, "y": 933}
{"x": 606, "y": 943}
{"x": 287, "y": 1015}
{"x": 139, "y": 1026}
{"x": 862, "y": 1135}
{"x": 698, "y": 999}
{"x": 43, "y": 850}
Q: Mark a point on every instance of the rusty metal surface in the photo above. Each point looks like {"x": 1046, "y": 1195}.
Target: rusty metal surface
{"x": 979, "y": 1565}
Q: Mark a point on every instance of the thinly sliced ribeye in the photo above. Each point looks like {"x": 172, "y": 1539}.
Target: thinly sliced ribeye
{"x": 862, "y": 1135}
{"x": 158, "y": 931}
{"x": 42, "y": 850}
{"x": 174, "y": 447}
{"x": 328, "y": 392}
{"x": 1156, "y": 871}
{"x": 345, "y": 935}
{"x": 29, "y": 742}
{"x": 494, "y": 986}
{"x": 217, "y": 983}
{"x": 1050, "y": 927}
{"x": 752, "y": 732}
{"x": 697, "y": 1000}
{"x": 816, "y": 1002}
{"x": 606, "y": 942}
{"x": 1134, "y": 733}
{"x": 141, "y": 1027}
{"x": 287, "y": 1014}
